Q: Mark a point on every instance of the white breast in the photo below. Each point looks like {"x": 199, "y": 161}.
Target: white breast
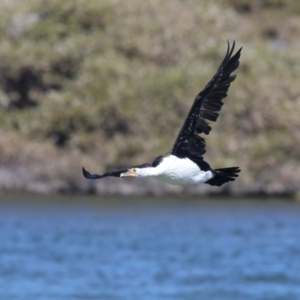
{"x": 181, "y": 171}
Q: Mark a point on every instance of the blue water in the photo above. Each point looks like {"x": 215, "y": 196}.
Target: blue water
{"x": 95, "y": 248}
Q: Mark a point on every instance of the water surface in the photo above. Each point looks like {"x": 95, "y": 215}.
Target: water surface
{"x": 96, "y": 248}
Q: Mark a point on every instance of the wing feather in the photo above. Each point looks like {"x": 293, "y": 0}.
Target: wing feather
{"x": 114, "y": 173}
{"x": 206, "y": 107}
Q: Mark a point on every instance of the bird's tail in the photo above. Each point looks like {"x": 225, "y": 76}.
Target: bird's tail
{"x": 224, "y": 175}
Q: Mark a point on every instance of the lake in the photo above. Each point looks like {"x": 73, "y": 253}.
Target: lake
{"x": 88, "y": 247}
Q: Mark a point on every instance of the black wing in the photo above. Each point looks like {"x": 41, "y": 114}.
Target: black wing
{"x": 206, "y": 105}
{"x": 115, "y": 173}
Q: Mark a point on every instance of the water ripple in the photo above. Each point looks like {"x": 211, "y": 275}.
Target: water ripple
{"x": 149, "y": 249}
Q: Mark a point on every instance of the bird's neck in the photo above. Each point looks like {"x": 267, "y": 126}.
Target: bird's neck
{"x": 149, "y": 172}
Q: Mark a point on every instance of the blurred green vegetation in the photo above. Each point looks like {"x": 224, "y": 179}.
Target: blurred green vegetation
{"x": 109, "y": 83}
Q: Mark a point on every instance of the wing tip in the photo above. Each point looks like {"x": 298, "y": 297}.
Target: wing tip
{"x": 85, "y": 173}
{"x": 88, "y": 175}
{"x": 230, "y": 49}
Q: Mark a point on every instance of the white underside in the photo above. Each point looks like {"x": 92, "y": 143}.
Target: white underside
{"x": 180, "y": 171}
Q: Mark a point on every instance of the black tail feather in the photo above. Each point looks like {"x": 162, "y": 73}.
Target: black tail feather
{"x": 224, "y": 175}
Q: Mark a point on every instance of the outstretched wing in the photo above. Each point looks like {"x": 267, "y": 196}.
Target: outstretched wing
{"x": 205, "y": 107}
{"x": 115, "y": 173}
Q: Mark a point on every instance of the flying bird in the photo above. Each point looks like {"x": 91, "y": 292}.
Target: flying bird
{"x": 184, "y": 163}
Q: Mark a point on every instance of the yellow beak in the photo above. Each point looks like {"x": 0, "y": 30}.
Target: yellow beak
{"x": 128, "y": 174}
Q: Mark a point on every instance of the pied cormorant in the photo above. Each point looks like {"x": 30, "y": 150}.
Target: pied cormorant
{"x": 184, "y": 163}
